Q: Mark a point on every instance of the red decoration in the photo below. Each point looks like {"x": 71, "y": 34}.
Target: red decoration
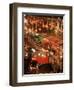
{"x": 41, "y": 60}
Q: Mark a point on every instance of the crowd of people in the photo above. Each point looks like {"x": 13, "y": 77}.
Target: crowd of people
{"x": 43, "y": 36}
{"x": 42, "y": 24}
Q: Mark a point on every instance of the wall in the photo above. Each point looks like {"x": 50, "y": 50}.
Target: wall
{"x": 4, "y": 46}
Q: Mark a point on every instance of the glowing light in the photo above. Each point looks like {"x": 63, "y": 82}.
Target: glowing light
{"x": 61, "y": 56}
{"x": 42, "y": 55}
{"x": 33, "y": 50}
{"x": 37, "y": 34}
{"x": 39, "y": 54}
